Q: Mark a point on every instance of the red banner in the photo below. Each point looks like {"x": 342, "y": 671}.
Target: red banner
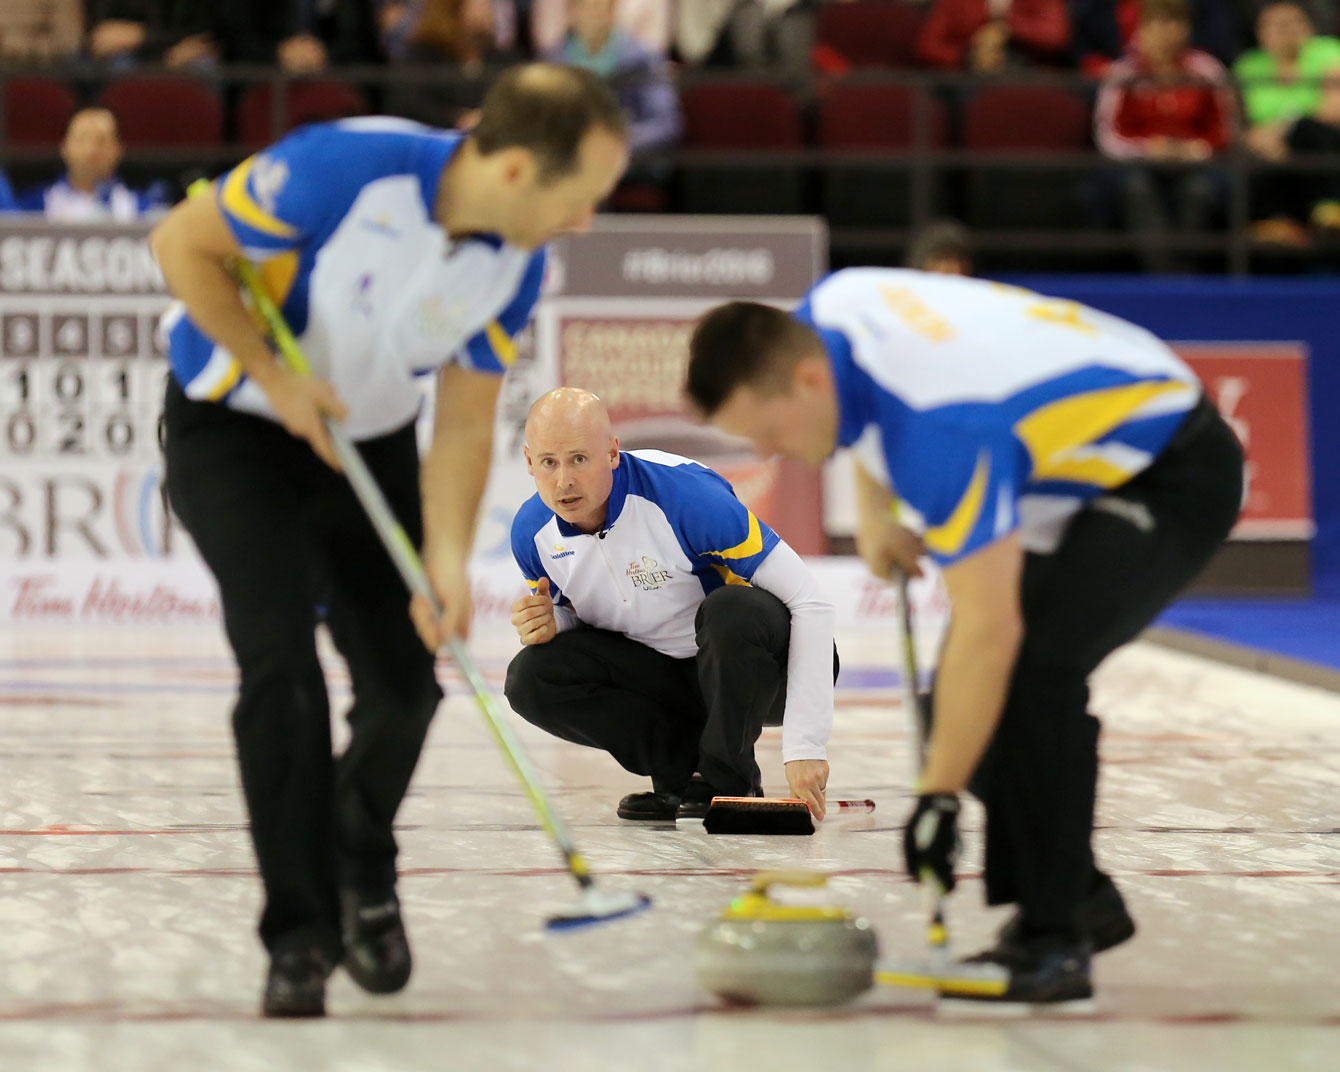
{"x": 1261, "y": 389}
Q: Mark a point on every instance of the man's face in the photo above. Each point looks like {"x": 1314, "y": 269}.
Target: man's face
{"x": 92, "y": 150}
{"x": 1282, "y": 30}
{"x": 1162, "y": 39}
{"x": 592, "y": 20}
{"x": 797, "y": 422}
{"x": 573, "y": 464}
{"x": 538, "y": 211}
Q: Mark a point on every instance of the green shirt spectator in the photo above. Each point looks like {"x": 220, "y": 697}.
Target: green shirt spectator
{"x": 1269, "y": 98}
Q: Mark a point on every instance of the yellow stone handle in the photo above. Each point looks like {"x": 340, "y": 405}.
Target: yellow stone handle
{"x": 766, "y": 879}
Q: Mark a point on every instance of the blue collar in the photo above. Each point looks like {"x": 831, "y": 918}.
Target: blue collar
{"x": 434, "y": 156}
{"x": 855, "y": 388}
{"x": 613, "y": 505}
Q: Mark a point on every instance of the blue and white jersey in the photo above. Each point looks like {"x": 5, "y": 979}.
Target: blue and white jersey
{"x": 989, "y": 408}
{"x": 111, "y": 200}
{"x": 674, "y": 532}
{"x": 339, "y": 219}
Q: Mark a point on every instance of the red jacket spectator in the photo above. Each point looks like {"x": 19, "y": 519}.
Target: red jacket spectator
{"x": 1040, "y": 27}
{"x": 1140, "y": 113}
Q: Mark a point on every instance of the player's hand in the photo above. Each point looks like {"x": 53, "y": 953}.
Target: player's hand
{"x": 452, "y": 585}
{"x": 301, "y": 402}
{"x": 887, "y": 547}
{"x": 930, "y": 840}
{"x": 808, "y": 778}
{"x": 533, "y": 616}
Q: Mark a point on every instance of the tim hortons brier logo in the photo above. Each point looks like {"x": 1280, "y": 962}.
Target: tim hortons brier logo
{"x": 646, "y": 576}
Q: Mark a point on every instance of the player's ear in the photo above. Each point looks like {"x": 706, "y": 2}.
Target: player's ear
{"x": 530, "y": 467}
{"x": 809, "y": 374}
{"x": 517, "y": 166}
{"x": 614, "y": 451}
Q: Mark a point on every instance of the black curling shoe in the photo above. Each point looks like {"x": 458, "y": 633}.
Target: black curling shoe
{"x": 1103, "y": 919}
{"x": 296, "y": 983}
{"x": 376, "y": 948}
{"x": 649, "y": 807}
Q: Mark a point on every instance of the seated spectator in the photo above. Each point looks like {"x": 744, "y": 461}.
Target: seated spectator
{"x": 89, "y": 190}
{"x": 646, "y": 21}
{"x": 775, "y": 35}
{"x": 596, "y": 43}
{"x": 399, "y": 19}
{"x": 1166, "y": 102}
{"x": 40, "y": 33}
{"x": 1101, "y": 31}
{"x": 986, "y": 36}
{"x": 1291, "y": 91}
{"x": 943, "y": 246}
{"x": 175, "y": 33}
{"x": 461, "y": 37}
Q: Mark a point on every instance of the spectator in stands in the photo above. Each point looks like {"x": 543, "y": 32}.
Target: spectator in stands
{"x": 1102, "y": 31}
{"x": 639, "y": 77}
{"x": 986, "y": 36}
{"x": 40, "y": 30}
{"x": 175, "y": 33}
{"x": 1166, "y": 103}
{"x": 646, "y": 21}
{"x": 458, "y": 38}
{"x": 772, "y": 34}
{"x": 1291, "y": 91}
{"x": 943, "y": 246}
{"x": 89, "y": 190}
{"x": 400, "y": 19}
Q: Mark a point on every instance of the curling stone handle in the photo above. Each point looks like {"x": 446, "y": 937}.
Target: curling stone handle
{"x": 766, "y": 879}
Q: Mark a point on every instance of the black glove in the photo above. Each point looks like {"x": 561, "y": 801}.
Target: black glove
{"x": 930, "y": 839}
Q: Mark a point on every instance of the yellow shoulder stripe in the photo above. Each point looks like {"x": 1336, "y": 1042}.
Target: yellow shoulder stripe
{"x": 948, "y": 538}
{"x": 729, "y": 575}
{"x": 1058, "y": 427}
{"x": 503, "y": 344}
{"x": 239, "y": 202}
{"x": 751, "y": 545}
{"x": 228, "y": 382}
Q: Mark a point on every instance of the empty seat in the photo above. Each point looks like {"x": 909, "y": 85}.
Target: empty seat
{"x": 171, "y": 112}
{"x": 303, "y": 102}
{"x": 1027, "y": 118}
{"x": 873, "y": 117}
{"x": 745, "y": 116}
{"x": 37, "y": 111}
{"x": 870, "y": 33}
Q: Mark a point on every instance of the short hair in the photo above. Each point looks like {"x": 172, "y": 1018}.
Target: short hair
{"x": 1305, "y": 6}
{"x": 1172, "y": 10}
{"x": 744, "y": 344}
{"x": 547, "y": 109}
{"x": 939, "y": 238}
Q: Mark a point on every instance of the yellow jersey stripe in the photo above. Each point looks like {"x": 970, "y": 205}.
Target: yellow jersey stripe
{"x": 238, "y": 201}
{"x": 751, "y": 545}
{"x": 1097, "y": 471}
{"x": 1058, "y": 427}
{"x": 729, "y": 575}
{"x": 948, "y": 538}
{"x": 227, "y": 383}
{"x": 503, "y": 344}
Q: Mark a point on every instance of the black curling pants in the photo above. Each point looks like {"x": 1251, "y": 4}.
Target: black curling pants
{"x": 1122, "y": 559}
{"x": 660, "y": 716}
{"x": 283, "y": 535}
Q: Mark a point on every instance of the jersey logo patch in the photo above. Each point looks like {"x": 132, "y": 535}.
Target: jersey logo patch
{"x": 268, "y": 178}
{"x": 646, "y": 576}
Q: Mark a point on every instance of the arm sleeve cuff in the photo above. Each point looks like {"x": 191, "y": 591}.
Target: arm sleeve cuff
{"x": 807, "y": 720}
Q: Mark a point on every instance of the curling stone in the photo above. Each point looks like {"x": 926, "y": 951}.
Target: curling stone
{"x": 764, "y": 953}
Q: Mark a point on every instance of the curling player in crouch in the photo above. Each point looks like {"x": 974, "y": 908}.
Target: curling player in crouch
{"x": 665, "y": 623}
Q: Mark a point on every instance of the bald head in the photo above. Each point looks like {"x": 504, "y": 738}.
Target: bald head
{"x": 572, "y": 452}
{"x": 567, "y": 409}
